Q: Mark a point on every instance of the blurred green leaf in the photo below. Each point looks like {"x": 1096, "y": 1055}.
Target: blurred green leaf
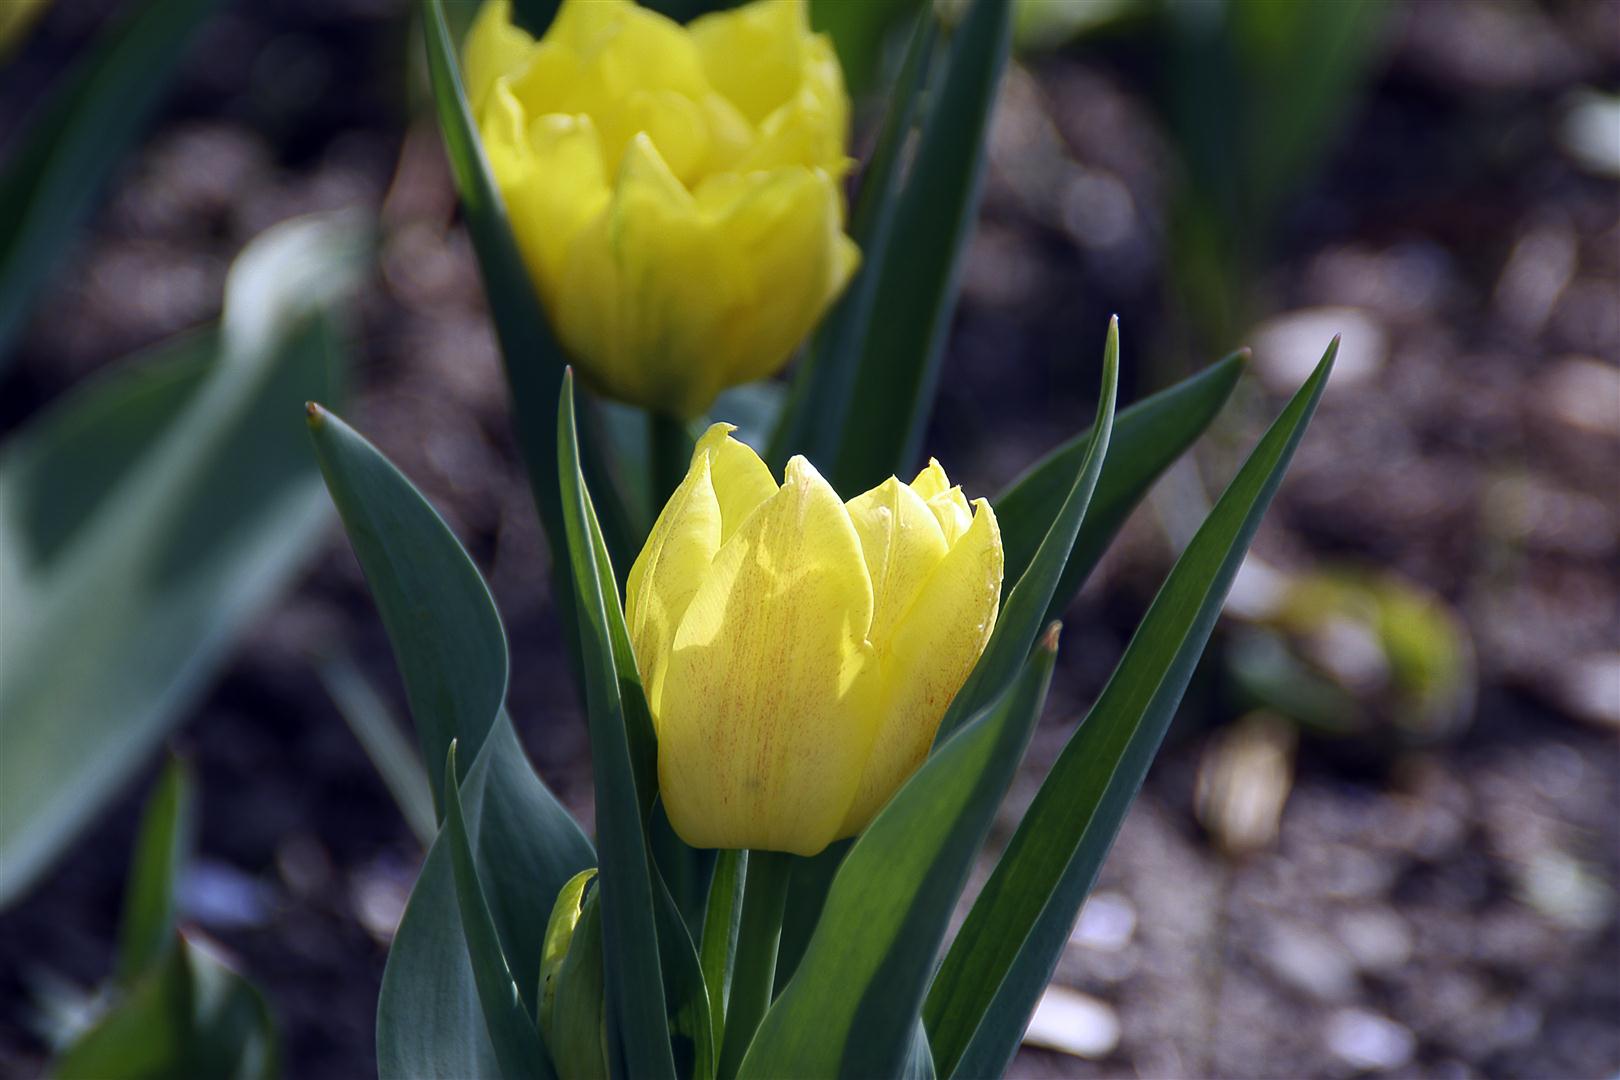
{"x": 130, "y": 565}
{"x": 852, "y": 1007}
{"x": 526, "y": 847}
{"x": 75, "y": 142}
{"x": 190, "y": 1016}
{"x": 916, "y": 291}
{"x": 629, "y": 934}
{"x": 1024, "y": 611}
{"x": 162, "y": 847}
{"x": 369, "y": 717}
{"x": 1257, "y": 92}
{"x": 1147, "y": 438}
{"x": 859, "y": 31}
{"x": 175, "y": 1008}
{"x": 813, "y": 419}
{"x": 511, "y": 1028}
{"x": 1004, "y": 955}
{"x": 440, "y": 618}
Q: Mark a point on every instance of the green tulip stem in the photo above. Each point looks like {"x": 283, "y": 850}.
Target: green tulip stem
{"x": 764, "y": 897}
{"x": 669, "y": 452}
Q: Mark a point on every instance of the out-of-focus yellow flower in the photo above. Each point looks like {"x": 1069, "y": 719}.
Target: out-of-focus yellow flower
{"x": 799, "y": 652}
{"x": 16, "y": 16}
{"x": 674, "y": 190}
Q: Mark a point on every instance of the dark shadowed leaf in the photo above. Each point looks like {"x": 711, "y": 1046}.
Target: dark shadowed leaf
{"x": 73, "y": 145}
{"x": 916, "y": 291}
{"x": 629, "y": 933}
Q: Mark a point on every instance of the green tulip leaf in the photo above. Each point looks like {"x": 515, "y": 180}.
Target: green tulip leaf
{"x": 1005, "y": 953}
{"x": 438, "y": 612}
{"x": 174, "y": 1009}
{"x": 916, "y": 289}
{"x": 815, "y": 413}
{"x": 508, "y": 1020}
{"x": 146, "y": 928}
{"x": 1025, "y": 607}
{"x": 722, "y": 917}
{"x": 807, "y": 894}
{"x": 526, "y": 848}
{"x": 190, "y": 1016}
{"x": 73, "y": 146}
{"x": 692, "y": 1028}
{"x": 440, "y": 618}
{"x": 144, "y": 522}
{"x": 379, "y": 735}
{"x": 1147, "y": 438}
{"x": 859, "y": 32}
{"x": 623, "y": 798}
{"x": 851, "y": 1008}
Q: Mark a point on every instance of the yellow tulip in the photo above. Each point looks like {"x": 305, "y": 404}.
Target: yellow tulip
{"x": 674, "y": 190}
{"x": 799, "y": 652}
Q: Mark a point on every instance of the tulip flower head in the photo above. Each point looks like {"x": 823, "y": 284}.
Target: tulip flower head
{"x": 798, "y": 652}
{"x": 674, "y": 190}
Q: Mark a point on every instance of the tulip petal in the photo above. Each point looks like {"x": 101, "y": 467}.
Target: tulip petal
{"x": 493, "y": 47}
{"x": 643, "y": 293}
{"x": 767, "y": 707}
{"x": 741, "y": 480}
{"x": 752, "y": 54}
{"x": 632, "y": 70}
{"x": 902, "y": 543}
{"x": 934, "y": 648}
{"x": 668, "y": 571}
{"x": 785, "y": 257}
{"x": 947, "y": 502}
{"x": 550, "y": 175}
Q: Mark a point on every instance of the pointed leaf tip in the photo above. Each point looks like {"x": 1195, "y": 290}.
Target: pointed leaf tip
{"x": 314, "y": 414}
{"x": 1049, "y": 639}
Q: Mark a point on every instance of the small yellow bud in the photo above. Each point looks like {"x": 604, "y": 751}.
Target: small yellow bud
{"x": 674, "y": 190}
{"x": 799, "y": 652}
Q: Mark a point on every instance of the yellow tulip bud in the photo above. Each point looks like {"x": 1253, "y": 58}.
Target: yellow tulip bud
{"x": 674, "y": 190}
{"x": 799, "y": 652}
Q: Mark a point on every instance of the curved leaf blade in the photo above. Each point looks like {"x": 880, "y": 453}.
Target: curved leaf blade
{"x": 1025, "y": 608}
{"x": 146, "y": 927}
{"x": 441, "y": 620}
{"x": 1147, "y": 438}
{"x": 629, "y": 932}
{"x": 1004, "y": 955}
{"x": 813, "y": 420}
{"x": 526, "y": 847}
{"x": 916, "y": 291}
{"x": 511, "y": 1030}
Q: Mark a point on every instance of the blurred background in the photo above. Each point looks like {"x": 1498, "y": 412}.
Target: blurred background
{"x": 1384, "y": 834}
